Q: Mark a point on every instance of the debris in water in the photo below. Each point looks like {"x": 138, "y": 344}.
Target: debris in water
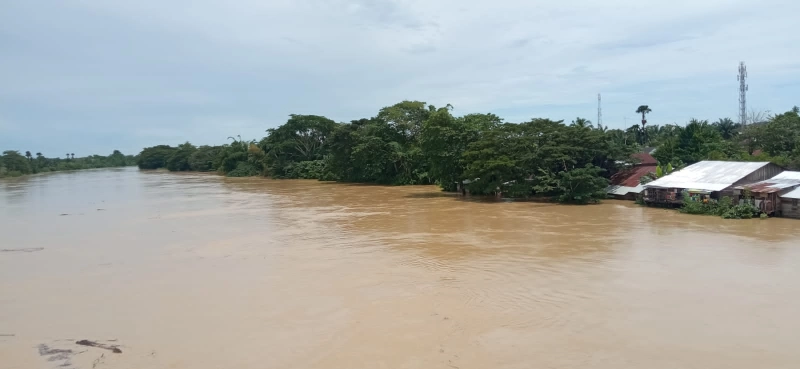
{"x": 112, "y": 348}
{"x": 54, "y": 354}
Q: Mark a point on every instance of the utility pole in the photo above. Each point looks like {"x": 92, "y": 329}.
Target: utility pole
{"x": 743, "y": 87}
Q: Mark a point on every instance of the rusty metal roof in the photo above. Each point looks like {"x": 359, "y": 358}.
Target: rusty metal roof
{"x": 784, "y": 181}
{"x": 771, "y": 185}
{"x": 630, "y": 177}
{"x": 644, "y": 158}
{"x": 708, "y": 175}
{"x": 627, "y": 181}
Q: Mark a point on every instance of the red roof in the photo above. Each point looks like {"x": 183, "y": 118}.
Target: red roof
{"x": 630, "y": 177}
{"x": 644, "y": 158}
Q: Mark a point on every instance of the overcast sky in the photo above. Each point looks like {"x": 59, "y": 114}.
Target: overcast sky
{"x": 91, "y": 76}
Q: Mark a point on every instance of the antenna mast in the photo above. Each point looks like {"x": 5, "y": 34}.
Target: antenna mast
{"x": 599, "y": 112}
{"x": 743, "y": 87}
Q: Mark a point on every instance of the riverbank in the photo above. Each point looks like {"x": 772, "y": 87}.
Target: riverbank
{"x": 61, "y": 171}
{"x": 13, "y": 164}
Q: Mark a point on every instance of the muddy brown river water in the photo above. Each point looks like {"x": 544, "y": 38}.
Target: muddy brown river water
{"x": 200, "y": 271}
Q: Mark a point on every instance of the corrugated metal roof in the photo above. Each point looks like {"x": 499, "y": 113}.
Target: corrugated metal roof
{"x": 630, "y": 177}
{"x": 770, "y": 185}
{"x": 792, "y": 194}
{"x": 708, "y": 175}
{"x": 644, "y": 158}
{"x": 623, "y": 190}
{"x": 788, "y": 175}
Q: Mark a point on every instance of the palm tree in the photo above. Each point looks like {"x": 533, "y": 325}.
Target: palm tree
{"x": 28, "y": 155}
{"x": 67, "y": 156}
{"x": 727, "y": 128}
{"x": 582, "y": 123}
{"x": 38, "y": 155}
{"x": 644, "y": 110}
{"x": 73, "y": 155}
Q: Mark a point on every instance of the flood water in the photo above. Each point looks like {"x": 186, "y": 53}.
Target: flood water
{"x": 200, "y": 271}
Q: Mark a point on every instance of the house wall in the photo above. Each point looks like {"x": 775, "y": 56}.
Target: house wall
{"x": 789, "y": 210}
{"x": 663, "y": 195}
{"x": 766, "y": 172}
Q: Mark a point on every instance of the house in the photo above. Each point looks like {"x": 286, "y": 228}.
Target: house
{"x": 625, "y": 185}
{"x": 766, "y": 194}
{"x": 790, "y": 204}
{"x": 707, "y": 179}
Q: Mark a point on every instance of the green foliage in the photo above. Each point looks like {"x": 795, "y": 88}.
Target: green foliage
{"x": 241, "y": 158}
{"x": 179, "y": 160}
{"x": 582, "y": 185}
{"x": 412, "y": 142}
{"x": 204, "y": 159}
{"x": 244, "y": 169}
{"x": 724, "y": 208}
{"x": 311, "y": 169}
{"x": 155, "y": 157}
{"x": 13, "y": 164}
{"x": 776, "y": 139}
{"x": 302, "y": 138}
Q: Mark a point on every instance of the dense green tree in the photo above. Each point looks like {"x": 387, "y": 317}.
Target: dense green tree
{"x": 117, "y": 159}
{"x": 727, "y": 128}
{"x": 242, "y": 158}
{"x": 179, "y": 160}
{"x": 302, "y": 138}
{"x": 14, "y": 164}
{"x": 205, "y": 159}
{"x": 582, "y": 185}
{"x": 444, "y": 139}
{"x": 155, "y": 157}
{"x": 42, "y": 164}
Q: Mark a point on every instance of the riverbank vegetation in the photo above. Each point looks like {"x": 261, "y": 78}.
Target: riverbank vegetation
{"x": 14, "y": 164}
{"x": 723, "y": 207}
{"x": 414, "y": 143}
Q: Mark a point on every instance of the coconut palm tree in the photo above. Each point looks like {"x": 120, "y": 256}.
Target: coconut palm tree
{"x": 73, "y": 155}
{"x": 582, "y": 123}
{"x": 643, "y": 110}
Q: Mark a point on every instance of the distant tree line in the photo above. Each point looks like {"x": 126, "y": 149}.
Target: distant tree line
{"x": 775, "y": 139}
{"x": 414, "y": 143}
{"x": 14, "y": 164}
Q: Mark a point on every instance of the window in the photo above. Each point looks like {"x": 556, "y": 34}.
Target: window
{"x": 794, "y": 202}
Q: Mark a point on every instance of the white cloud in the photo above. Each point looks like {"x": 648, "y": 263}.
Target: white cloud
{"x": 167, "y": 63}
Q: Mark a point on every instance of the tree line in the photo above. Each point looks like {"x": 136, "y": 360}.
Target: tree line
{"x": 414, "y": 143}
{"x": 14, "y": 164}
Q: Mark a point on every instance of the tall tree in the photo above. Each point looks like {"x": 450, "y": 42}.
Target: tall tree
{"x": 643, "y": 110}
{"x": 727, "y": 128}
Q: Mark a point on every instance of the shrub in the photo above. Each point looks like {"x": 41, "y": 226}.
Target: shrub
{"x": 742, "y": 211}
{"x": 244, "y": 169}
